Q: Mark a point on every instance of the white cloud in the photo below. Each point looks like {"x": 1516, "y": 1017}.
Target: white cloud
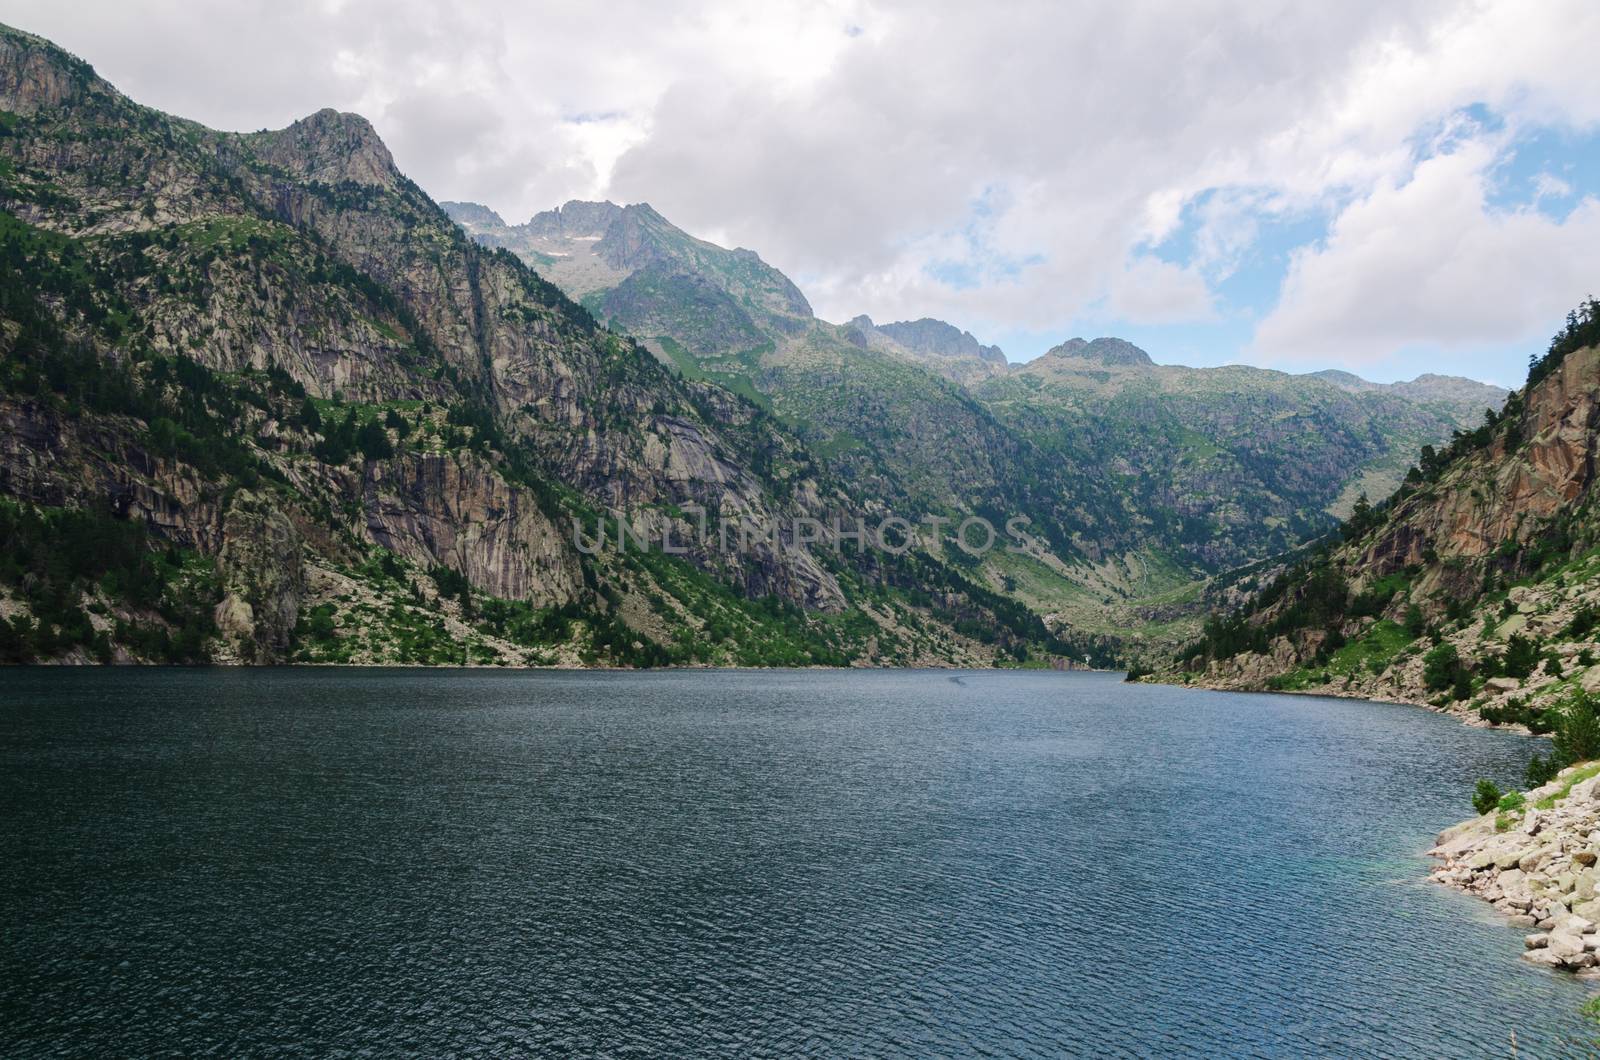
{"x": 1550, "y": 186}
{"x": 849, "y": 140}
{"x": 1429, "y": 262}
{"x": 1149, "y": 291}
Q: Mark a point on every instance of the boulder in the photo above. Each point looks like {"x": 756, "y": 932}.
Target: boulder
{"x": 1577, "y": 925}
{"x": 1564, "y": 944}
{"x": 1535, "y": 941}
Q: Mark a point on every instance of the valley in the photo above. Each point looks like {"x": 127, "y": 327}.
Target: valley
{"x": 1144, "y": 482}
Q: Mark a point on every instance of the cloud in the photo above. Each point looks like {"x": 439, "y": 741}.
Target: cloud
{"x": 1149, "y": 291}
{"x": 1428, "y": 262}
{"x": 1009, "y": 170}
{"x": 1550, "y": 186}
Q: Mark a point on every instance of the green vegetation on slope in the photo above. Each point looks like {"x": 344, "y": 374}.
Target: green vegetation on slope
{"x": 1482, "y": 624}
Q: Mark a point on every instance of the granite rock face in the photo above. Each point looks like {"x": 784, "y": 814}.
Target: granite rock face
{"x": 1489, "y": 556}
{"x": 262, "y": 561}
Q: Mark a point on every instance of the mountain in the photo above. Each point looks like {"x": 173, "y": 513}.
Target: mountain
{"x": 1475, "y": 587}
{"x": 945, "y": 348}
{"x": 1141, "y": 481}
{"x": 263, "y": 401}
{"x": 1463, "y": 399}
{"x": 891, "y": 429}
{"x": 1111, "y": 352}
{"x": 1249, "y": 461}
{"x": 632, "y": 268}
{"x": 1203, "y": 470}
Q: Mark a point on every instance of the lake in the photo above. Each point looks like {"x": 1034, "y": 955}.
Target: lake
{"x": 742, "y": 863}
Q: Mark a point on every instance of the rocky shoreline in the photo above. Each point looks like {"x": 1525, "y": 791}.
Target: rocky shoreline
{"x": 1534, "y": 859}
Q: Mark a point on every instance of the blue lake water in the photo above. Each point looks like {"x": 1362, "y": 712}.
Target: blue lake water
{"x": 756, "y": 863}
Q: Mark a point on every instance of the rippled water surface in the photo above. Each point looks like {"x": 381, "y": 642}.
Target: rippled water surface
{"x": 741, "y": 863}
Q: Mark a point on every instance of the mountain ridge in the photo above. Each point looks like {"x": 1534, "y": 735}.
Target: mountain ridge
{"x": 357, "y": 435}
{"x": 1128, "y": 467}
{"x": 359, "y": 430}
{"x": 1472, "y": 589}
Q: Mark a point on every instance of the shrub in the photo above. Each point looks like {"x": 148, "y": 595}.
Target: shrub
{"x": 1541, "y": 770}
{"x": 1577, "y": 730}
{"x": 1486, "y": 797}
{"x": 1440, "y": 666}
{"x": 1512, "y": 801}
{"x": 1416, "y": 622}
{"x": 373, "y": 441}
{"x": 1522, "y": 655}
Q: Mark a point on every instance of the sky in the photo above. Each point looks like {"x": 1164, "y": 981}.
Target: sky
{"x": 1387, "y": 187}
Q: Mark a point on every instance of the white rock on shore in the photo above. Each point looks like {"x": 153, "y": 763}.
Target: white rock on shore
{"x": 1538, "y": 867}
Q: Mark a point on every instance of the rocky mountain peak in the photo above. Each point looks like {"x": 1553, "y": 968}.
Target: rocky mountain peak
{"x": 472, "y": 214}
{"x": 1454, "y": 389}
{"x": 330, "y": 147}
{"x": 576, "y": 219}
{"x": 939, "y": 339}
{"x": 36, "y": 75}
{"x": 1105, "y": 350}
{"x": 935, "y": 344}
{"x": 1347, "y": 381}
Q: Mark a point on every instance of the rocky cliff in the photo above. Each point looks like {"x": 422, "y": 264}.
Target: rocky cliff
{"x": 347, "y": 432}
{"x": 1474, "y": 588}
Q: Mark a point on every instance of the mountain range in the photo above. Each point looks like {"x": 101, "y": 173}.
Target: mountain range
{"x": 265, "y": 400}
{"x": 1146, "y": 480}
{"x": 286, "y": 410}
